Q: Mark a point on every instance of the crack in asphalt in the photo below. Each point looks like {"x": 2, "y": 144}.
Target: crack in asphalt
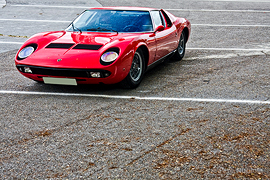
{"x": 158, "y": 146}
{"x": 42, "y": 133}
{"x": 265, "y": 53}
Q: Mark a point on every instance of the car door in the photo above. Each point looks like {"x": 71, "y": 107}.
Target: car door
{"x": 166, "y": 40}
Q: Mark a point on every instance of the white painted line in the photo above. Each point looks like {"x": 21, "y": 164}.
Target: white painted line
{"x": 213, "y": 25}
{"x": 35, "y": 20}
{"x": 256, "y": 1}
{"x": 51, "y": 6}
{"x": 227, "y": 49}
{"x": 135, "y": 97}
{"x": 2, "y": 42}
{"x": 227, "y": 55}
{"x": 200, "y": 10}
{"x": 221, "y": 10}
{"x": 210, "y": 49}
{"x": 232, "y": 25}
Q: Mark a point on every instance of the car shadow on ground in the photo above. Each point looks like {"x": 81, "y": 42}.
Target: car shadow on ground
{"x": 150, "y": 77}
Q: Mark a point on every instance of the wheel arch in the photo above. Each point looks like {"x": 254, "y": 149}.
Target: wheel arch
{"x": 186, "y": 31}
{"x": 145, "y": 54}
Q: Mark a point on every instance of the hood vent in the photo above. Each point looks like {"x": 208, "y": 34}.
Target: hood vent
{"x": 78, "y": 46}
{"x": 60, "y": 45}
{"x": 88, "y": 46}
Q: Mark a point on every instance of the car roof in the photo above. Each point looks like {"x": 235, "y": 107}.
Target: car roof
{"x": 128, "y": 8}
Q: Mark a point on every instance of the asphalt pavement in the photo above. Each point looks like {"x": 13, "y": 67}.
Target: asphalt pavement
{"x": 205, "y": 117}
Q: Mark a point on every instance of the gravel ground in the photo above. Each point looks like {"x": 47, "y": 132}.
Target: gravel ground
{"x": 78, "y": 137}
{"x": 75, "y": 137}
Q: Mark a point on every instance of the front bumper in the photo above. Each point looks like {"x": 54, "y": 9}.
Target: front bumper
{"x": 82, "y": 76}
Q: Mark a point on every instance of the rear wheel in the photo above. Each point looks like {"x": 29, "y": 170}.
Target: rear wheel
{"x": 136, "y": 72}
{"x": 180, "y": 51}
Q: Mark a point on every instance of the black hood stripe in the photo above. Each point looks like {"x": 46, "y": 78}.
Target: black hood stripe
{"x": 60, "y": 45}
{"x": 88, "y": 46}
{"x": 78, "y": 46}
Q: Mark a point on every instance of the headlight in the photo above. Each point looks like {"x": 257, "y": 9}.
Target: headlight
{"x": 25, "y": 52}
{"x": 109, "y": 56}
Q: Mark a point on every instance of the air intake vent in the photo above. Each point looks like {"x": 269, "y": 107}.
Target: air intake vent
{"x": 87, "y": 73}
{"x": 87, "y": 46}
{"x": 60, "y": 45}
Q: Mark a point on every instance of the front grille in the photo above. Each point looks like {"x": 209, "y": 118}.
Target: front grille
{"x": 85, "y": 73}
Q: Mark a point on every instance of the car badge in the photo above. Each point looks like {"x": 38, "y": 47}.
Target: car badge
{"x": 58, "y": 60}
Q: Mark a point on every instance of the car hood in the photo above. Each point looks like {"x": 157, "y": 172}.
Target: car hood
{"x": 74, "y": 49}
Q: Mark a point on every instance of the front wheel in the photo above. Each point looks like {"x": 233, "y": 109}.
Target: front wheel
{"x": 180, "y": 51}
{"x": 136, "y": 72}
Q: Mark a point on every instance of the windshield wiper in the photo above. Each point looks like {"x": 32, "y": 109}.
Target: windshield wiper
{"x": 101, "y": 29}
{"x": 74, "y": 28}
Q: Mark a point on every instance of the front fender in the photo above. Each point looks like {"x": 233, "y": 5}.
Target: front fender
{"x": 127, "y": 51}
{"x": 42, "y": 39}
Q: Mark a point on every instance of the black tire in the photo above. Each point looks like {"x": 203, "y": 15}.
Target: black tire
{"x": 135, "y": 75}
{"x": 181, "y": 48}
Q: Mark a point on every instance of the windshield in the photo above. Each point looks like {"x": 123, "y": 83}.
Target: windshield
{"x": 112, "y": 21}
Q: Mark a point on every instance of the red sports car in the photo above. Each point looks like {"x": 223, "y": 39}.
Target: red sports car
{"x": 104, "y": 45}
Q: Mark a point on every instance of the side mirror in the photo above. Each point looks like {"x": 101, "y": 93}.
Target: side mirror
{"x": 160, "y": 28}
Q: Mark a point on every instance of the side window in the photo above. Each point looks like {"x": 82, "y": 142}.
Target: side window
{"x": 168, "y": 21}
{"x": 158, "y": 18}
